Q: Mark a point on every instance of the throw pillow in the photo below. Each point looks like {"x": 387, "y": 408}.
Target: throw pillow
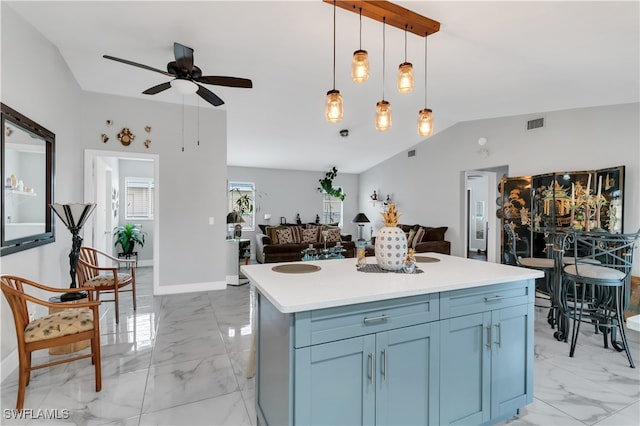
{"x": 436, "y": 234}
{"x": 271, "y": 233}
{"x": 285, "y": 235}
{"x": 318, "y": 228}
{"x": 310, "y": 235}
{"x": 334, "y": 235}
{"x": 296, "y": 231}
{"x": 417, "y": 238}
{"x": 410, "y": 237}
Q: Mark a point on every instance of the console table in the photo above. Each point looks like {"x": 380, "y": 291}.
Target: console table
{"x": 451, "y": 345}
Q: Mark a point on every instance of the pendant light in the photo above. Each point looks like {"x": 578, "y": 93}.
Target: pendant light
{"x": 425, "y": 116}
{"x": 334, "y": 109}
{"x": 405, "y": 71}
{"x": 360, "y": 62}
{"x": 383, "y": 108}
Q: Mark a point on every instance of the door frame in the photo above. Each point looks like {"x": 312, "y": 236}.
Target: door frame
{"x": 90, "y": 194}
{"x": 493, "y": 227}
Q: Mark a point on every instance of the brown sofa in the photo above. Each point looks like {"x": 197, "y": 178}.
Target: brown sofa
{"x": 422, "y": 239}
{"x": 285, "y": 243}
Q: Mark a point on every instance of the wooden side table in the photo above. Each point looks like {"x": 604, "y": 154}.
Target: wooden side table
{"x": 71, "y": 347}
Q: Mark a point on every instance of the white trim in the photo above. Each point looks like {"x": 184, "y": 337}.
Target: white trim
{"x": 190, "y": 288}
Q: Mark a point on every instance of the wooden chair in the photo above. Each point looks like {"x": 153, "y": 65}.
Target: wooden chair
{"x": 105, "y": 279}
{"x": 78, "y": 323}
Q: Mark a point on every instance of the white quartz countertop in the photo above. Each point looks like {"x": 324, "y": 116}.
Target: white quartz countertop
{"x": 339, "y": 283}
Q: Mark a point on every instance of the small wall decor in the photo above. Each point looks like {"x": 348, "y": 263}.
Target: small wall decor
{"x": 126, "y": 137}
{"x": 147, "y": 129}
{"x": 109, "y": 122}
{"x": 105, "y": 138}
{"x": 147, "y": 143}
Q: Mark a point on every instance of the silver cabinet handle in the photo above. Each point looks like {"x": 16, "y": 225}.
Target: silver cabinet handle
{"x": 489, "y": 338}
{"x": 384, "y": 364}
{"x": 372, "y": 364}
{"x": 382, "y": 317}
{"x": 493, "y": 299}
{"x": 499, "y": 334}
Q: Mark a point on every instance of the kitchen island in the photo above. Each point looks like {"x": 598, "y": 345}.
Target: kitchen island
{"x": 453, "y": 344}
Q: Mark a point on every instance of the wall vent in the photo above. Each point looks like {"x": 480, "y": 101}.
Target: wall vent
{"x": 534, "y": 124}
{"x": 411, "y": 153}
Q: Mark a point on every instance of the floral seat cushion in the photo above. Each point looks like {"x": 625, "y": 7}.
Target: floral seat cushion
{"x": 63, "y": 323}
{"x": 106, "y": 280}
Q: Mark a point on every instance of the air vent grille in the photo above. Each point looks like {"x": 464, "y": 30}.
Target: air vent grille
{"x": 534, "y": 124}
{"x": 411, "y": 153}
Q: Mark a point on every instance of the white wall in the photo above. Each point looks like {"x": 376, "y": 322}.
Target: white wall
{"x": 430, "y": 189}
{"x": 289, "y": 192}
{"x": 36, "y": 82}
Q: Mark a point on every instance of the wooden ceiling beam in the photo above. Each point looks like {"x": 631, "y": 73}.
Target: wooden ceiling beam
{"x": 396, "y": 16}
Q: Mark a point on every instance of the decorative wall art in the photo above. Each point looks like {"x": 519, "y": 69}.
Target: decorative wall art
{"x": 147, "y": 143}
{"x": 105, "y": 138}
{"x": 126, "y": 137}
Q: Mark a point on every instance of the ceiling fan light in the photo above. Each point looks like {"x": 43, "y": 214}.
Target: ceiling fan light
{"x": 334, "y": 108}
{"x": 383, "y": 116}
{"x": 425, "y": 122}
{"x": 186, "y": 87}
{"x": 405, "y": 77}
{"x": 360, "y": 66}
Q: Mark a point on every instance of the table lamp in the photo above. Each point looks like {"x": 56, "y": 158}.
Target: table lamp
{"x": 360, "y": 219}
{"x": 74, "y": 217}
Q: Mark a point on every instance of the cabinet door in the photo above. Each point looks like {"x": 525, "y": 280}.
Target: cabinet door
{"x": 408, "y": 376}
{"x": 335, "y": 383}
{"x": 465, "y": 363}
{"x": 512, "y": 359}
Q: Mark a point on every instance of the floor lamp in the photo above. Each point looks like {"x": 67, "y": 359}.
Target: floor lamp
{"x": 74, "y": 217}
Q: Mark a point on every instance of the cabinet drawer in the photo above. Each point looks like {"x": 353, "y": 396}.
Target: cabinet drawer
{"x": 481, "y": 299}
{"x": 326, "y": 325}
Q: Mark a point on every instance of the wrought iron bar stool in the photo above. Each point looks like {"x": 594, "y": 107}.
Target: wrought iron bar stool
{"x": 600, "y": 293}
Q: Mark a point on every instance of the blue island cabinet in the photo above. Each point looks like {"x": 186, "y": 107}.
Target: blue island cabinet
{"x": 460, "y": 356}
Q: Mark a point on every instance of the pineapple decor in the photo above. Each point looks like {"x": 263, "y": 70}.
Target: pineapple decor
{"x": 391, "y": 242}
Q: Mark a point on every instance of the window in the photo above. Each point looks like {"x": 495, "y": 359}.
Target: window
{"x": 247, "y": 191}
{"x": 139, "y": 197}
{"x": 331, "y": 210}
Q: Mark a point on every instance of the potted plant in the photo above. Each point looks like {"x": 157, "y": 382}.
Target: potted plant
{"x": 243, "y": 206}
{"x": 127, "y": 236}
{"x": 326, "y": 184}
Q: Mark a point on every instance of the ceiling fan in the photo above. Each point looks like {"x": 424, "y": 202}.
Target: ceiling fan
{"x": 187, "y": 76}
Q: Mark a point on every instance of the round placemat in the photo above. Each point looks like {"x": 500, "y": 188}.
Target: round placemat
{"x": 426, "y": 259}
{"x": 296, "y": 268}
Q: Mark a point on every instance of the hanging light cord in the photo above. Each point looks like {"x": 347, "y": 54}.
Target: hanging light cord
{"x": 360, "y": 29}
{"x": 405, "y": 42}
{"x": 182, "y": 123}
{"x": 334, "y": 44}
{"x": 384, "y": 23}
{"x": 425, "y": 69}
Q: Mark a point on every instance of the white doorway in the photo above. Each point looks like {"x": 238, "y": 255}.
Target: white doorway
{"x": 481, "y": 225}
{"x": 101, "y": 186}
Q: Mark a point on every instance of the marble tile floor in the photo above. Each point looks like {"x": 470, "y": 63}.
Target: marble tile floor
{"x": 182, "y": 359}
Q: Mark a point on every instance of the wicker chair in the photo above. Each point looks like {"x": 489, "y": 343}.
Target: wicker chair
{"x": 78, "y": 323}
{"x": 105, "y": 279}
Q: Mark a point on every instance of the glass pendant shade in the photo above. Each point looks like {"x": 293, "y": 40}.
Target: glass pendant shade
{"x": 334, "y": 108}
{"x": 383, "y": 116}
{"x": 425, "y": 122}
{"x": 405, "y": 77}
{"x": 360, "y": 66}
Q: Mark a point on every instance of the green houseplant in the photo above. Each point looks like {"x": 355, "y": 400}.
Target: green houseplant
{"x": 127, "y": 236}
{"x": 326, "y": 184}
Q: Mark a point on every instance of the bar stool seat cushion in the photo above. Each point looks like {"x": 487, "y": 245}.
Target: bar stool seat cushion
{"x": 570, "y": 259}
{"x": 596, "y": 272}
{"x": 537, "y": 262}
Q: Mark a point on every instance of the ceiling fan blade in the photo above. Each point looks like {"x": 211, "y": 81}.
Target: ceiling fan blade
{"x": 219, "y": 80}
{"x": 157, "y": 89}
{"x": 209, "y": 96}
{"x": 135, "y": 64}
{"x": 184, "y": 57}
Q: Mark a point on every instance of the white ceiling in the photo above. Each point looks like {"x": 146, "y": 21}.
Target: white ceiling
{"x": 490, "y": 59}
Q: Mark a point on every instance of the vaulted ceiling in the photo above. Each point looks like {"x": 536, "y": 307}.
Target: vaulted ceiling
{"x": 489, "y": 59}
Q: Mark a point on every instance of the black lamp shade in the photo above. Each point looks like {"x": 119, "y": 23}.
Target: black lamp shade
{"x": 234, "y": 217}
{"x": 361, "y": 218}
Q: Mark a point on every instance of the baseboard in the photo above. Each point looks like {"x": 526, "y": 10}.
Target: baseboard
{"x": 189, "y": 287}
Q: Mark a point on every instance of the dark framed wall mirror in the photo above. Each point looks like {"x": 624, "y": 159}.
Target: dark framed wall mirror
{"x": 28, "y": 174}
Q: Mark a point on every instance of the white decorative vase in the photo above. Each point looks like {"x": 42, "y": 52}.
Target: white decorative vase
{"x": 391, "y": 248}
